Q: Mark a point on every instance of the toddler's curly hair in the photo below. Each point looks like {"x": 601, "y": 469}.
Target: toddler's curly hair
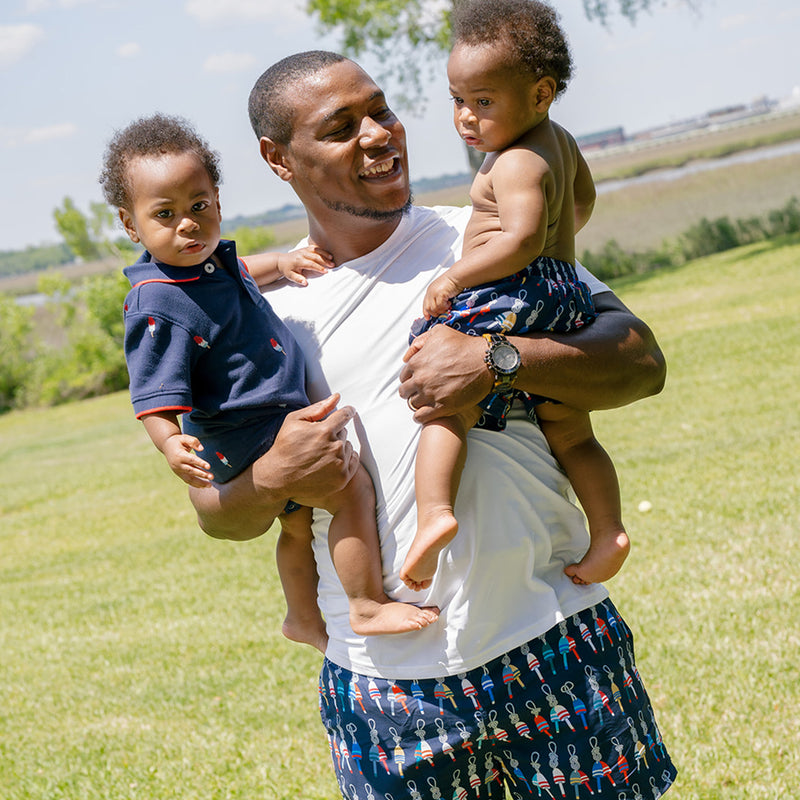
{"x": 156, "y": 135}
{"x": 527, "y": 29}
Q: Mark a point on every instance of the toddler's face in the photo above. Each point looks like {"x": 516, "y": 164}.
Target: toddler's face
{"x": 493, "y": 104}
{"x": 175, "y": 210}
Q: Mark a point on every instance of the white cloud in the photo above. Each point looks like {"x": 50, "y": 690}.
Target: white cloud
{"x": 229, "y": 62}
{"x": 129, "y": 50}
{"x": 16, "y": 41}
{"x": 12, "y": 137}
{"x": 47, "y": 134}
{"x": 248, "y": 10}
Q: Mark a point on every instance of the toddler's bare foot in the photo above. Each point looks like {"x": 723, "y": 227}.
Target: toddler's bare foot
{"x": 603, "y": 559}
{"x": 371, "y": 618}
{"x": 306, "y": 631}
{"x": 434, "y": 532}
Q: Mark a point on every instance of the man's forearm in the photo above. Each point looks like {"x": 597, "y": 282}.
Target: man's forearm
{"x": 610, "y": 363}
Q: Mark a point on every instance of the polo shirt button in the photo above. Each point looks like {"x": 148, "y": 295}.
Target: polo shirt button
{"x": 209, "y": 267}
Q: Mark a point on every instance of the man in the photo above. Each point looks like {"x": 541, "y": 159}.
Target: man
{"x": 519, "y": 679}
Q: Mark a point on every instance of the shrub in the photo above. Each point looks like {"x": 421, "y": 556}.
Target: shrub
{"x": 89, "y": 359}
{"x": 784, "y": 220}
{"x": 703, "y": 239}
{"x": 615, "y": 262}
{"x": 709, "y": 236}
{"x": 17, "y": 351}
{"x": 251, "y": 240}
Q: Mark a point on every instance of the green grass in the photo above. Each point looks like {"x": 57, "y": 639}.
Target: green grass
{"x": 140, "y": 659}
{"x": 712, "y": 582}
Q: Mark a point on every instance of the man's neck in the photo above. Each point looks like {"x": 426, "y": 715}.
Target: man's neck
{"x": 347, "y": 238}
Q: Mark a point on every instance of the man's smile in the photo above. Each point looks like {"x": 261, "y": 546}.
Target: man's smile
{"x": 381, "y": 169}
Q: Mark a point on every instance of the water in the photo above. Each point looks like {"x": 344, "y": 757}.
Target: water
{"x": 745, "y": 157}
{"x": 31, "y": 300}
{"x": 694, "y": 167}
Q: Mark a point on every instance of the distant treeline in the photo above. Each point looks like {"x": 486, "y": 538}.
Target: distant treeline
{"x": 296, "y": 211}
{"x": 43, "y": 257}
{"x": 34, "y": 259}
{"x": 88, "y": 359}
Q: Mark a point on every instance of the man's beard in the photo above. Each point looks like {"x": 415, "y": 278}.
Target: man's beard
{"x": 370, "y": 213}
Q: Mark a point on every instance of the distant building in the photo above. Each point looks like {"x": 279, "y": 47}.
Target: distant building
{"x": 710, "y": 120}
{"x": 728, "y": 111}
{"x": 607, "y": 138}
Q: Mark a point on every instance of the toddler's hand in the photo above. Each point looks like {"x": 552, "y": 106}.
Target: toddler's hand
{"x": 438, "y": 296}
{"x": 186, "y": 464}
{"x": 306, "y": 259}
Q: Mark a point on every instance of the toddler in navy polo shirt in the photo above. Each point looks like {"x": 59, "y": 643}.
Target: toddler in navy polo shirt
{"x": 202, "y": 342}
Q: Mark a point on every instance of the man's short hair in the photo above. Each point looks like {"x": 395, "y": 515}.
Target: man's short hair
{"x": 156, "y": 135}
{"x": 527, "y": 29}
{"x": 270, "y": 106}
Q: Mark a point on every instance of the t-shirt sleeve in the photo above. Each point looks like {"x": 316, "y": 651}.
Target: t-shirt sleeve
{"x": 159, "y": 356}
{"x": 595, "y": 286}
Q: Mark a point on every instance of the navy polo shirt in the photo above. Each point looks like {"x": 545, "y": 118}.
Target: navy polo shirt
{"x": 203, "y": 341}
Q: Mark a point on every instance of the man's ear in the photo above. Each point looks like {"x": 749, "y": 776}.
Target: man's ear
{"x": 129, "y": 225}
{"x": 544, "y": 92}
{"x": 216, "y": 198}
{"x": 275, "y": 155}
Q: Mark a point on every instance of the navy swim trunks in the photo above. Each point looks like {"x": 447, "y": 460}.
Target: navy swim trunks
{"x": 564, "y": 715}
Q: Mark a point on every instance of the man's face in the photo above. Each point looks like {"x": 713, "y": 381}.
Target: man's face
{"x": 348, "y": 150}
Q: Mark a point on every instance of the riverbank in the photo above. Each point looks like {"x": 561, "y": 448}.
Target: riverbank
{"x": 643, "y": 211}
{"x": 638, "y": 212}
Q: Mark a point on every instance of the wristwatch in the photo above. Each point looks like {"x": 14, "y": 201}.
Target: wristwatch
{"x": 503, "y": 359}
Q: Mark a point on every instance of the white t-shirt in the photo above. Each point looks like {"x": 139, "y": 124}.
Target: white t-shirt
{"x": 500, "y": 582}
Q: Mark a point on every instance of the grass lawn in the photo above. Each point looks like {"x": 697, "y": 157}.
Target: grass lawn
{"x": 712, "y": 583}
{"x": 140, "y": 659}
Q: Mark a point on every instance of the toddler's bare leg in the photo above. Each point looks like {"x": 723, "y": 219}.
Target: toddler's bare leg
{"x": 591, "y": 473}
{"x": 355, "y": 551}
{"x": 440, "y": 462}
{"x": 298, "y": 573}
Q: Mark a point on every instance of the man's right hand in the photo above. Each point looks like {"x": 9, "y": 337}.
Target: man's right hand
{"x": 311, "y": 457}
{"x": 309, "y": 460}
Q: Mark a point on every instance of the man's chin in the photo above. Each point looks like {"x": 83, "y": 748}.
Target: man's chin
{"x": 378, "y": 214}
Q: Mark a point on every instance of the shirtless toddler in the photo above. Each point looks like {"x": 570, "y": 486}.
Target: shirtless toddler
{"x": 534, "y": 191}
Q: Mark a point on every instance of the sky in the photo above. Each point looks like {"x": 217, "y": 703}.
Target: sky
{"x": 74, "y": 71}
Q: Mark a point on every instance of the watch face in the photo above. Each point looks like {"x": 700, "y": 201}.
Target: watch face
{"x": 506, "y": 359}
